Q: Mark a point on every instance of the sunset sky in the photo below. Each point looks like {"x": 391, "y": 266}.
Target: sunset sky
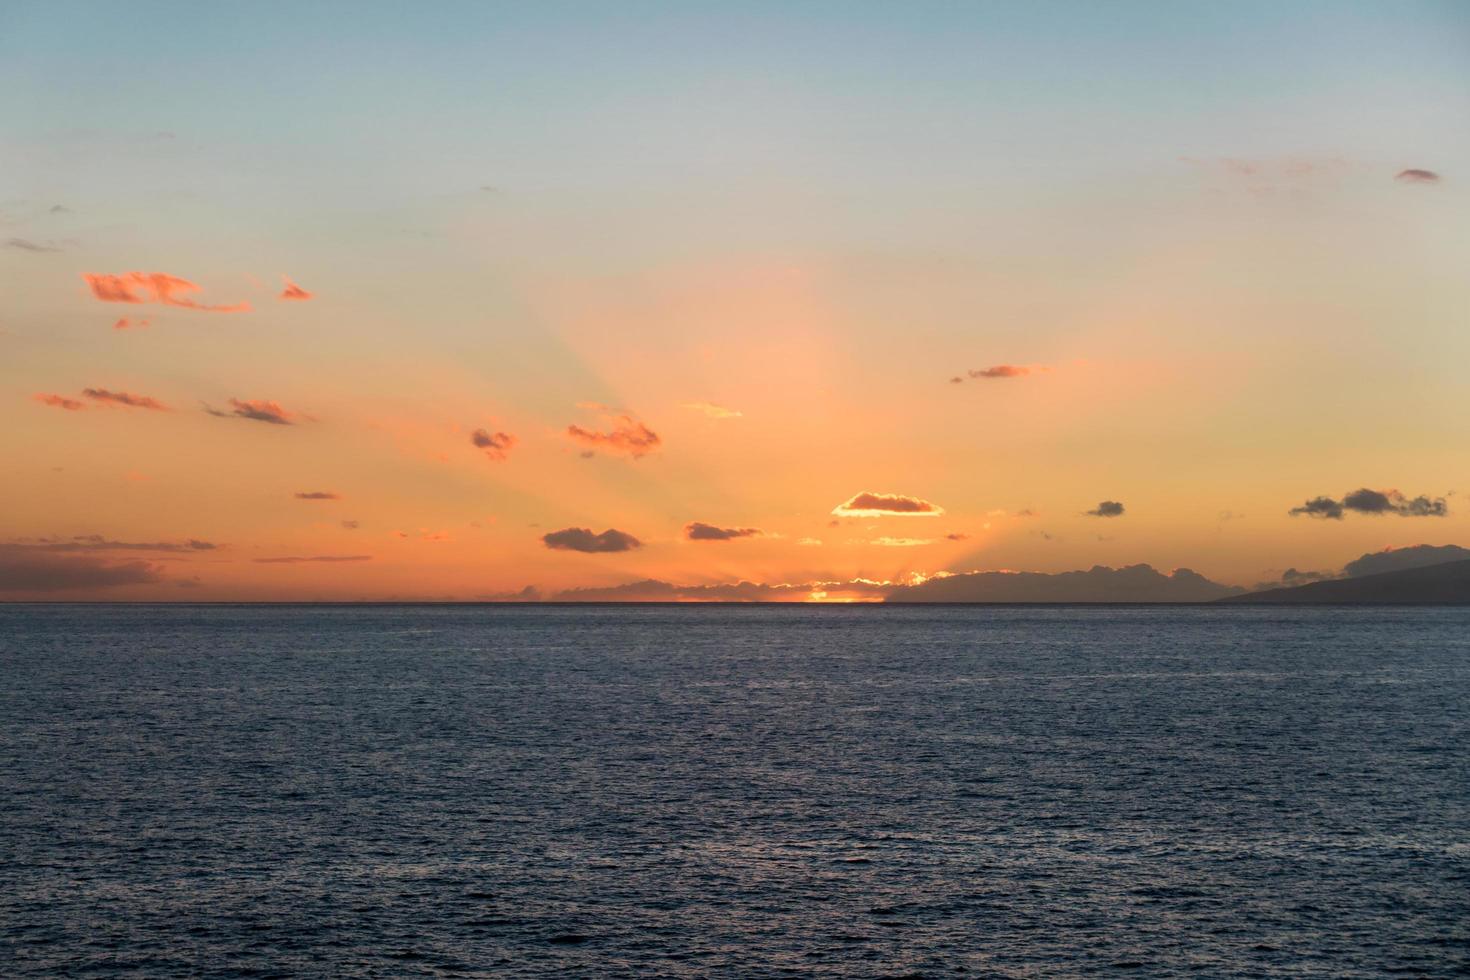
{"x": 442, "y": 301}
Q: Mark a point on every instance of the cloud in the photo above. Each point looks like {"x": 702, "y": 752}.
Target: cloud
{"x": 317, "y": 495}
{"x": 299, "y": 559}
{"x": 529, "y": 594}
{"x": 1399, "y": 559}
{"x": 1373, "y": 503}
{"x": 956, "y": 536}
{"x": 257, "y": 410}
{"x": 901, "y": 542}
{"x": 1107, "y": 508}
{"x": 869, "y": 504}
{"x": 127, "y": 323}
{"x": 350, "y": 525}
{"x": 60, "y": 401}
{"x": 582, "y": 539}
{"x": 496, "y": 445}
{"x": 713, "y": 411}
{"x": 24, "y": 571}
{"x": 293, "y": 291}
{"x": 1416, "y": 176}
{"x": 1323, "y": 507}
{"x": 999, "y": 372}
{"x": 96, "y": 542}
{"x": 125, "y": 399}
{"x": 26, "y": 245}
{"x": 810, "y": 542}
{"x": 626, "y": 434}
{"x": 699, "y": 531}
{"x": 152, "y": 287}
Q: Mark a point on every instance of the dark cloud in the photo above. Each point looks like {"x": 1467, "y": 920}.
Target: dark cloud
{"x": 1107, "y": 508}
{"x": 998, "y": 372}
{"x": 350, "y": 525}
{"x": 258, "y": 410}
{"x": 26, "y": 245}
{"x": 299, "y": 559}
{"x": 317, "y": 495}
{"x": 22, "y": 570}
{"x": 1416, "y": 176}
{"x": 529, "y": 594}
{"x": 956, "y": 536}
{"x": 1323, "y": 507}
{"x": 699, "y": 531}
{"x": 869, "y": 504}
{"x": 124, "y": 398}
{"x": 582, "y": 539}
{"x": 495, "y": 444}
{"x": 1399, "y": 559}
{"x": 1374, "y": 503}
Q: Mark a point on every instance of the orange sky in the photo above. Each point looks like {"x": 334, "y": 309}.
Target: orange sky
{"x": 389, "y": 357}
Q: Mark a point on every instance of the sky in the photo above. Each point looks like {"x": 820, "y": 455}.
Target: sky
{"x": 449, "y": 301}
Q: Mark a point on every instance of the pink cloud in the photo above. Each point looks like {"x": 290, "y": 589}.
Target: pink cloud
{"x": 293, "y": 291}
{"x": 626, "y": 435}
{"x": 125, "y": 399}
{"x": 152, "y": 287}
{"x": 60, "y": 401}
{"x": 127, "y": 323}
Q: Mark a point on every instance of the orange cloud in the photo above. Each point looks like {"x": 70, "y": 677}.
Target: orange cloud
{"x": 627, "y": 435}
{"x": 152, "y": 287}
{"x": 318, "y": 495}
{"x": 293, "y": 291}
{"x": 126, "y": 323}
{"x": 496, "y": 445}
{"x": 256, "y": 410}
{"x": 124, "y": 398}
{"x": 58, "y": 401}
{"x": 868, "y": 504}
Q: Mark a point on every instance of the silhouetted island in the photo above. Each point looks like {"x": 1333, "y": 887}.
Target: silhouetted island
{"x": 1448, "y": 583}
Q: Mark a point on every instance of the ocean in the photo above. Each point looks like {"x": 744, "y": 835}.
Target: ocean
{"x": 734, "y": 791}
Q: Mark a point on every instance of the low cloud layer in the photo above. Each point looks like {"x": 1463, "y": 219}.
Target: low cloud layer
{"x": 656, "y": 590}
{"x": 582, "y": 539}
{"x": 97, "y": 542}
{"x": 998, "y": 372}
{"x": 302, "y": 559}
{"x": 1134, "y": 583}
{"x": 152, "y": 287}
{"x": 1107, "y": 508}
{"x": 699, "y": 531}
{"x": 23, "y": 570}
{"x": 496, "y": 445}
{"x": 870, "y": 504}
{"x": 1374, "y": 503}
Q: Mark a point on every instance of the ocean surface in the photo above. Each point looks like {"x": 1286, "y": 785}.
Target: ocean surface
{"x": 734, "y": 791}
